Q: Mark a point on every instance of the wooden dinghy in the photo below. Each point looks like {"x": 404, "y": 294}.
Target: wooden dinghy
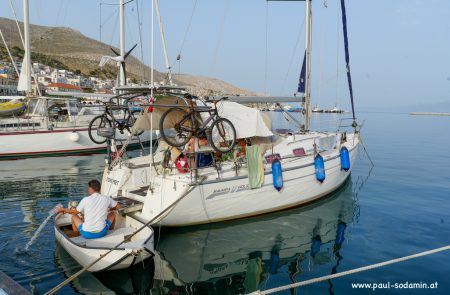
{"x": 85, "y": 251}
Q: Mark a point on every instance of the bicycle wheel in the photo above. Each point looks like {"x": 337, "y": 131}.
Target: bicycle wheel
{"x": 131, "y": 120}
{"x": 176, "y": 127}
{"x": 222, "y": 135}
{"x": 98, "y": 122}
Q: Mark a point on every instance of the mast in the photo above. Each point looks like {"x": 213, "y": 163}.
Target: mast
{"x": 122, "y": 79}
{"x": 25, "y": 74}
{"x": 163, "y": 41}
{"x": 308, "y": 42}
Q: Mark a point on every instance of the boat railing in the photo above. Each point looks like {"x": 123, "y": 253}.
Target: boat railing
{"x": 20, "y": 124}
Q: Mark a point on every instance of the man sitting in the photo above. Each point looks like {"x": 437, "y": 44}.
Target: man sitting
{"x": 98, "y": 211}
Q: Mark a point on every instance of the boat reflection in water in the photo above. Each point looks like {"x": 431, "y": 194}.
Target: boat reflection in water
{"x": 31, "y": 181}
{"x": 134, "y": 280}
{"x": 239, "y": 257}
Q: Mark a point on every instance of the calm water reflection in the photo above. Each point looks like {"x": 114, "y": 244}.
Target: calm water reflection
{"x": 401, "y": 209}
{"x": 238, "y": 257}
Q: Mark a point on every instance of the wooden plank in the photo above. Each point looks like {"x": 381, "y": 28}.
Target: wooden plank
{"x": 10, "y": 287}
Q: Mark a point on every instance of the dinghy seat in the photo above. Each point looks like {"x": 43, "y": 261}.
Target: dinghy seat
{"x": 112, "y": 238}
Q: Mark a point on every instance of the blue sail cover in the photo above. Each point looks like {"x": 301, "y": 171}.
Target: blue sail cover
{"x": 347, "y": 55}
{"x": 302, "y": 79}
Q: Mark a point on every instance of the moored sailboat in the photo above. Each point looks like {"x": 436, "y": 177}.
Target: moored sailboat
{"x": 179, "y": 188}
{"x": 49, "y": 126}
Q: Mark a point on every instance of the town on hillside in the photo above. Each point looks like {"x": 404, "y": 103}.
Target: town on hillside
{"x": 49, "y": 79}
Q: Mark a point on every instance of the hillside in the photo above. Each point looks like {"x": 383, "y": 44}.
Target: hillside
{"x": 72, "y": 50}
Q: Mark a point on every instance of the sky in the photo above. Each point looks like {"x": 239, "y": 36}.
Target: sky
{"x": 399, "y": 49}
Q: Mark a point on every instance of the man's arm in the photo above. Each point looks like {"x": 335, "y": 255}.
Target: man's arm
{"x": 69, "y": 211}
{"x": 117, "y": 207}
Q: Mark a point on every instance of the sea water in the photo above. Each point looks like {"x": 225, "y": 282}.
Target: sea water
{"x": 51, "y": 213}
{"x": 399, "y": 207}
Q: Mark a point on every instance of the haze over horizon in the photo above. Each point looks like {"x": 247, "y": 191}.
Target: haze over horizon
{"x": 399, "y": 50}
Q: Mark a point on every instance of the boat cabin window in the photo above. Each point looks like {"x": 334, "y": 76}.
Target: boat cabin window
{"x": 40, "y": 109}
{"x": 73, "y": 107}
{"x": 32, "y": 105}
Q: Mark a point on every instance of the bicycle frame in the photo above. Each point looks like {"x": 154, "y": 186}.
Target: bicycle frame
{"x": 119, "y": 123}
{"x": 194, "y": 114}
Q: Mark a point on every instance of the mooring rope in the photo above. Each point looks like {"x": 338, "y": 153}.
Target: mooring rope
{"x": 349, "y": 272}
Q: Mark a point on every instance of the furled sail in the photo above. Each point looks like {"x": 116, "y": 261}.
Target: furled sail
{"x": 302, "y": 79}
{"x": 347, "y": 55}
{"x": 24, "y": 83}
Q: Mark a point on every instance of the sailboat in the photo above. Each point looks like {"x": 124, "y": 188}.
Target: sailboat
{"x": 50, "y": 126}
{"x": 267, "y": 172}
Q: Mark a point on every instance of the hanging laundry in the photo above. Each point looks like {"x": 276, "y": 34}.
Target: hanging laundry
{"x": 255, "y": 166}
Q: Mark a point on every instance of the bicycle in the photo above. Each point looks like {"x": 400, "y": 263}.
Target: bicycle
{"x": 107, "y": 119}
{"x": 221, "y": 134}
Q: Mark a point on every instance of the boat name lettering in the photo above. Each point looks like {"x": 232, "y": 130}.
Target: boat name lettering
{"x": 228, "y": 190}
{"x": 111, "y": 180}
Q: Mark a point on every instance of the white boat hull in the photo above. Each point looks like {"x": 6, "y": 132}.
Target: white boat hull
{"x": 64, "y": 141}
{"x": 175, "y": 200}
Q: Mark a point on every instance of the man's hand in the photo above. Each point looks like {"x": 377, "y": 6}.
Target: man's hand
{"x": 61, "y": 210}
{"x": 115, "y": 208}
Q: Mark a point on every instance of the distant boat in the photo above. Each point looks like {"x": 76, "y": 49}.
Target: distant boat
{"x": 334, "y": 110}
{"x": 317, "y": 110}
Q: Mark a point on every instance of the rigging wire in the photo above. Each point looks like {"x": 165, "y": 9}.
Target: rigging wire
{"x": 337, "y": 56}
{"x": 114, "y": 28}
{"x": 16, "y": 19}
{"x": 321, "y": 68}
{"x": 100, "y": 20}
{"x": 127, "y": 23}
{"x": 294, "y": 51}
{"x": 140, "y": 39}
{"x": 266, "y": 54}
{"x": 61, "y": 3}
{"x": 23, "y": 44}
{"x": 186, "y": 32}
{"x": 9, "y": 53}
{"x": 116, "y": 4}
{"x": 219, "y": 40}
{"x": 102, "y": 24}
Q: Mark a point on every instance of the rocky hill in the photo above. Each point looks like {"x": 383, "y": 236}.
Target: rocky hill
{"x": 69, "y": 49}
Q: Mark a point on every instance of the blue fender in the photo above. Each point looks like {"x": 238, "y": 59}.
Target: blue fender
{"x": 320, "y": 168}
{"x": 274, "y": 261}
{"x": 277, "y": 175}
{"x": 345, "y": 159}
